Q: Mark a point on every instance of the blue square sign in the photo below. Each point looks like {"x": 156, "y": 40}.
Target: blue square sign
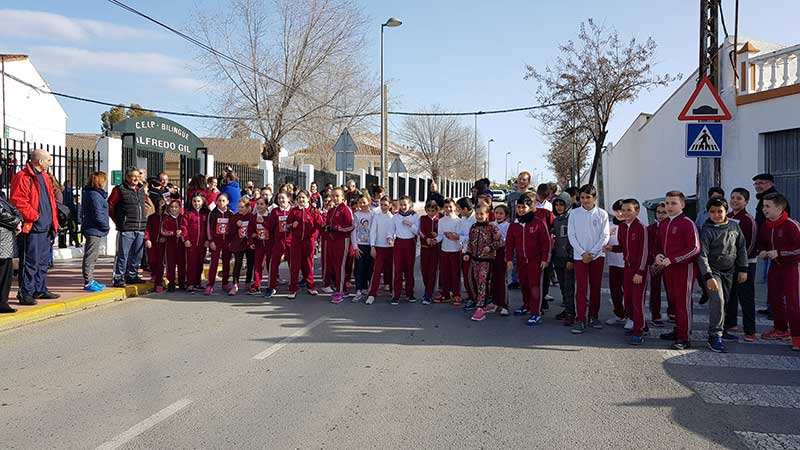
{"x": 704, "y": 140}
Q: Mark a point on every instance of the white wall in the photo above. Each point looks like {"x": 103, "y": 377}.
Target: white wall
{"x": 38, "y": 115}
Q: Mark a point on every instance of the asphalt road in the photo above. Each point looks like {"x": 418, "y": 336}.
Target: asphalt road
{"x": 194, "y": 372}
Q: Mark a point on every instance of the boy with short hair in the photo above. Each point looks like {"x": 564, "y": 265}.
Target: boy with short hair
{"x": 616, "y": 270}
{"x": 779, "y": 240}
{"x": 743, "y": 294}
{"x": 656, "y": 276}
{"x": 678, "y": 246}
{"x": 722, "y": 252}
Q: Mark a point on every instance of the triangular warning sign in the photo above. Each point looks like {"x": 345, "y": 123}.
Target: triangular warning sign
{"x": 705, "y": 104}
{"x": 704, "y": 142}
{"x": 345, "y": 143}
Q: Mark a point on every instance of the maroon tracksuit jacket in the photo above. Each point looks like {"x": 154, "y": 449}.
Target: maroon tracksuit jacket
{"x": 218, "y": 229}
{"x": 530, "y": 241}
{"x": 173, "y": 247}
{"x": 678, "y": 241}
{"x": 339, "y": 224}
{"x": 304, "y": 240}
{"x": 429, "y": 254}
{"x": 197, "y": 237}
{"x": 279, "y": 227}
{"x": 783, "y": 280}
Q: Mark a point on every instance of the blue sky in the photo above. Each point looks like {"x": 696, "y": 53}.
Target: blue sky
{"x": 464, "y": 55}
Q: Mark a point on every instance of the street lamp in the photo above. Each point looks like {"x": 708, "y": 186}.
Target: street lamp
{"x": 392, "y": 22}
{"x": 518, "y": 163}
{"x": 488, "y": 157}
{"x": 505, "y": 180}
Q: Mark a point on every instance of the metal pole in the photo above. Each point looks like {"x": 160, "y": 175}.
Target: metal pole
{"x": 384, "y": 172}
{"x": 3, "y": 65}
{"x": 505, "y": 180}
{"x": 708, "y": 170}
{"x": 488, "y": 155}
{"x": 475, "y": 149}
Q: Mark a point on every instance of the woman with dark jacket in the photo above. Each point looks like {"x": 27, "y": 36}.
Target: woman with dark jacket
{"x": 10, "y": 226}
{"x": 94, "y": 218}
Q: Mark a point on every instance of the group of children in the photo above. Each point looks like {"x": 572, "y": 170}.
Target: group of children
{"x": 375, "y": 240}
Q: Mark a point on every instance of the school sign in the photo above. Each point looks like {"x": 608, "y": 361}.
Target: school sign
{"x": 160, "y": 135}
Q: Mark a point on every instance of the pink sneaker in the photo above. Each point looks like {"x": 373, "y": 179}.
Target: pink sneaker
{"x": 234, "y": 290}
{"x": 490, "y": 308}
{"x": 209, "y": 290}
{"x": 337, "y": 298}
{"x": 478, "y": 315}
{"x": 159, "y": 288}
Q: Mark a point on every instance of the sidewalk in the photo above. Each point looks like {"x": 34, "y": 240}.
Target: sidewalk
{"x": 65, "y": 278}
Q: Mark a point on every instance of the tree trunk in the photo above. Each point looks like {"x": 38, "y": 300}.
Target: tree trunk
{"x": 598, "y": 153}
{"x": 272, "y": 152}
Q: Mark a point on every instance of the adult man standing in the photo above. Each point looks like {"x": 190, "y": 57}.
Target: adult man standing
{"x": 32, "y": 195}
{"x": 522, "y": 184}
{"x": 435, "y": 195}
{"x": 126, "y": 207}
{"x": 351, "y": 193}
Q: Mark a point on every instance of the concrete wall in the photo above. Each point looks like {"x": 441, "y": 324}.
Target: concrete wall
{"x": 32, "y": 116}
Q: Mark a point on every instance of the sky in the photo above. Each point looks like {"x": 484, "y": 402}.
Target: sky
{"x": 464, "y": 55}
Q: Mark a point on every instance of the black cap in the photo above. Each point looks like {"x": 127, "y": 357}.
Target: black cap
{"x": 765, "y": 177}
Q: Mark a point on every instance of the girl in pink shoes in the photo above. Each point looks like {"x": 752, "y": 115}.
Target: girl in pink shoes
{"x": 218, "y": 230}
{"x": 261, "y": 242}
{"x": 305, "y": 222}
{"x": 484, "y": 240}
{"x": 239, "y": 244}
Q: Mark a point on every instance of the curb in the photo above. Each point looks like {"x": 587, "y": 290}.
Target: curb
{"x": 73, "y": 305}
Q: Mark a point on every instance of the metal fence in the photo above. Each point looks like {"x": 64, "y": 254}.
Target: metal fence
{"x": 294, "y": 176}
{"x": 70, "y": 165}
{"x": 372, "y": 180}
{"x": 245, "y": 173}
{"x": 323, "y": 178}
{"x": 149, "y": 160}
{"x": 412, "y": 189}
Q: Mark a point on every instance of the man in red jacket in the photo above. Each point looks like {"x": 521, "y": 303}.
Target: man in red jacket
{"x": 32, "y": 194}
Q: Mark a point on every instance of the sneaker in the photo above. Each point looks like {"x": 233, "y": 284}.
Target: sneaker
{"x": 253, "y": 290}
{"x": 356, "y": 298}
{"x": 615, "y": 321}
{"x": 159, "y": 288}
{"x": 313, "y": 292}
{"x": 209, "y": 290}
{"x": 667, "y": 336}
{"x": 681, "y": 345}
{"x": 426, "y": 300}
{"x": 370, "y": 300}
{"x": 796, "y": 343}
{"x": 470, "y": 306}
{"x": 658, "y": 323}
{"x": 226, "y": 287}
{"x": 46, "y": 295}
{"x": 437, "y": 299}
{"x": 548, "y": 298}
{"x": 749, "y": 338}
{"x": 504, "y": 312}
{"x": 447, "y": 299}
{"x": 412, "y": 299}
{"x": 395, "y": 301}
{"x": 595, "y": 323}
{"x": 118, "y": 284}
{"x": 94, "y": 286}
{"x": 534, "y": 320}
{"x": 337, "y": 298}
{"x": 628, "y": 325}
{"x": 563, "y": 315}
{"x": 490, "y": 308}
{"x": 326, "y": 290}
{"x": 521, "y": 311}
{"x": 190, "y": 290}
{"x": 726, "y": 336}
{"x": 478, "y": 315}
{"x": 269, "y": 293}
{"x": 456, "y": 300}
{"x": 636, "y": 340}
{"x": 171, "y": 287}
{"x": 292, "y": 295}
{"x": 716, "y": 344}
{"x": 775, "y": 335}
{"x": 578, "y": 328}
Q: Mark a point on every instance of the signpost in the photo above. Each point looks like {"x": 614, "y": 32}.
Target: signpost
{"x": 398, "y": 166}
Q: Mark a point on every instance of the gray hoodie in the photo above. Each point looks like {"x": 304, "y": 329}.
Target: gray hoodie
{"x": 722, "y": 248}
{"x": 562, "y": 250}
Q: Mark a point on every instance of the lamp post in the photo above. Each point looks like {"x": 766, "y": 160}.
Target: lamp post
{"x": 488, "y": 157}
{"x": 518, "y": 163}
{"x": 392, "y": 22}
{"x": 505, "y": 180}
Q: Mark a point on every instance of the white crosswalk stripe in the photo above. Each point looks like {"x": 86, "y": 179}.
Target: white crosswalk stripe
{"x": 748, "y": 394}
{"x": 769, "y": 441}
{"x": 734, "y": 360}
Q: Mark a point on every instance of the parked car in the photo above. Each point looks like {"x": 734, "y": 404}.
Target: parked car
{"x": 498, "y": 195}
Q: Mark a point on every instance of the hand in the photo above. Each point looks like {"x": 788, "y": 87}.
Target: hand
{"x": 762, "y": 254}
{"x": 607, "y": 248}
{"x": 659, "y": 258}
{"x": 187, "y": 244}
{"x": 742, "y": 278}
{"x": 466, "y": 257}
{"x": 487, "y": 249}
{"x": 772, "y": 254}
{"x": 179, "y": 233}
{"x": 295, "y": 224}
{"x": 373, "y": 252}
{"x": 357, "y": 252}
{"x": 213, "y": 246}
{"x": 406, "y": 222}
{"x": 238, "y": 223}
{"x": 544, "y": 265}
{"x": 148, "y": 244}
{"x": 19, "y": 229}
{"x": 712, "y": 285}
{"x": 586, "y": 257}
{"x": 666, "y": 262}
{"x": 509, "y": 266}
{"x": 434, "y": 234}
{"x": 570, "y": 266}
{"x": 637, "y": 279}
{"x": 389, "y": 240}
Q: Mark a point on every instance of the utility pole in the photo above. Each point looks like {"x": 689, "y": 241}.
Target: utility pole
{"x": 708, "y": 169}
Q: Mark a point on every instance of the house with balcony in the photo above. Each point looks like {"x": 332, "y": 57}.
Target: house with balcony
{"x": 763, "y": 96}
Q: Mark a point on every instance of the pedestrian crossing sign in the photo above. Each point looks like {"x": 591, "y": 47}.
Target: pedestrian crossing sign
{"x": 704, "y": 140}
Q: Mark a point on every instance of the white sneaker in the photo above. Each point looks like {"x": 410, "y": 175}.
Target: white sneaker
{"x": 370, "y": 300}
{"x": 234, "y": 290}
{"x": 357, "y": 297}
{"x": 326, "y": 290}
{"x": 629, "y": 324}
{"x": 615, "y": 321}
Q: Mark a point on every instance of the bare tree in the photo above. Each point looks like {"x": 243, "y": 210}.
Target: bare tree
{"x": 568, "y": 137}
{"x": 596, "y": 74}
{"x": 296, "y": 66}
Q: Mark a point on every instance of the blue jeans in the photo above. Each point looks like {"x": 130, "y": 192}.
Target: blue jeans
{"x": 35, "y": 253}
{"x": 130, "y": 245}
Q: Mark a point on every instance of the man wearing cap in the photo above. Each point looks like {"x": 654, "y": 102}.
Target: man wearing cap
{"x": 764, "y": 184}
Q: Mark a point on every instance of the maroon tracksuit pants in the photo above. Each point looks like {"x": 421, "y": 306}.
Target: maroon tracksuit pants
{"x": 155, "y": 257}
{"x": 336, "y": 252}
{"x": 634, "y": 299}
{"x": 588, "y": 277}
{"x": 216, "y": 255}
{"x": 655, "y": 293}
{"x": 194, "y": 264}
{"x": 429, "y": 266}
{"x": 499, "y": 279}
{"x": 679, "y": 279}
{"x": 530, "y": 282}
{"x": 616, "y": 281}
{"x": 404, "y": 255}
{"x": 280, "y": 250}
{"x": 302, "y": 260}
{"x": 450, "y": 273}
{"x": 383, "y": 263}
{"x": 783, "y": 294}
{"x": 176, "y": 260}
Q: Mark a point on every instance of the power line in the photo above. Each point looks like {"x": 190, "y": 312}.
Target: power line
{"x": 470, "y": 113}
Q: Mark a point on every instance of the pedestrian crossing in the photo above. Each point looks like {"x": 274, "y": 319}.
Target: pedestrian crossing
{"x": 771, "y": 396}
{"x": 769, "y": 441}
{"x": 735, "y": 360}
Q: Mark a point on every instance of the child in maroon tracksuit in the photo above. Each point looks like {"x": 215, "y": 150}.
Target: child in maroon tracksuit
{"x": 529, "y": 239}
{"x": 155, "y": 248}
{"x": 499, "y": 288}
{"x": 406, "y": 230}
{"x": 239, "y": 244}
{"x": 678, "y": 247}
{"x": 779, "y": 240}
{"x": 278, "y": 226}
{"x": 218, "y": 229}
{"x": 633, "y": 244}
{"x": 260, "y": 242}
{"x": 172, "y": 232}
{"x": 338, "y": 224}
{"x": 194, "y": 240}
{"x": 656, "y": 276}
{"x": 305, "y": 222}
{"x": 430, "y": 250}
